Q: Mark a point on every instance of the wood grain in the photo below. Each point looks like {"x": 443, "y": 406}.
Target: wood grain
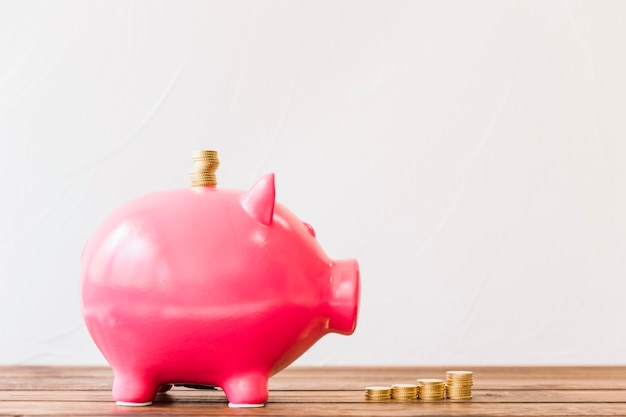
{"x": 329, "y": 391}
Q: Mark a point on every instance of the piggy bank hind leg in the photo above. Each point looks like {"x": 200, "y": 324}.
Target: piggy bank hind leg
{"x": 134, "y": 390}
{"x": 249, "y": 390}
{"x": 165, "y": 388}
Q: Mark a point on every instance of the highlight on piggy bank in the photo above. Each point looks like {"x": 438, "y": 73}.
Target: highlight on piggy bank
{"x": 212, "y": 287}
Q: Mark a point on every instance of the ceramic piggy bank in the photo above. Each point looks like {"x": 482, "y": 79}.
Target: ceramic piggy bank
{"x": 210, "y": 286}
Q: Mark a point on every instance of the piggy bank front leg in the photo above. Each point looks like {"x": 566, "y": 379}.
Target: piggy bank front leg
{"x": 248, "y": 390}
{"x": 134, "y": 390}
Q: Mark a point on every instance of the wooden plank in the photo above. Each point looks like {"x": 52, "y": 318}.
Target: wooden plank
{"x": 316, "y": 409}
{"x": 82, "y": 384}
{"x": 323, "y": 391}
{"x": 187, "y": 395}
{"x": 350, "y": 378}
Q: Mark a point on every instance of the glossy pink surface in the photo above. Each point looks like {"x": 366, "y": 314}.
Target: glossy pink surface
{"x": 213, "y": 287}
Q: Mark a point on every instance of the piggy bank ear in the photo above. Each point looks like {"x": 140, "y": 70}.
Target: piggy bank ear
{"x": 258, "y": 201}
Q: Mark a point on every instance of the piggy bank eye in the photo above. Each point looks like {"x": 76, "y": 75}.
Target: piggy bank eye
{"x": 309, "y": 228}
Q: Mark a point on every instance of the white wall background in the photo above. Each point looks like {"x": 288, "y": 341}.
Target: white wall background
{"x": 471, "y": 156}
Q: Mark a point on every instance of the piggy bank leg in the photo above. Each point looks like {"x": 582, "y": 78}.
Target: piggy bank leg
{"x": 165, "y": 388}
{"x": 248, "y": 390}
{"x": 133, "y": 390}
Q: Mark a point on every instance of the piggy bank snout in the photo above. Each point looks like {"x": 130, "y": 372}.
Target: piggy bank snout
{"x": 344, "y": 298}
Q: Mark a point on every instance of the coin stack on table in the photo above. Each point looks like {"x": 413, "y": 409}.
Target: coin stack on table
{"x": 431, "y": 389}
{"x": 459, "y": 385}
{"x": 377, "y": 393}
{"x": 404, "y": 392}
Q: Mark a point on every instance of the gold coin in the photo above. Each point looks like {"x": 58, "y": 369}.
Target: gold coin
{"x": 206, "y": 165}
{"x": 378, "y": 389}
{"x": 200, "y": 179}
{"x": 205, "y": 179}
{"x": 404, "y": 386}
{"x": 195, "y": 175}
{"x": 202, "y": 176}
{"x": 378, "y": 393}
{"x": 459, "y": 375}
{"x": 200, "y": 183}
{"x": 404, "y": 391}
{"x": 459, "y": 392}
{"x": 202, "y": 171}
{"x": 430, "y": 381}
{"x": 204, "y": 153}
{"x": 204, "y": 158}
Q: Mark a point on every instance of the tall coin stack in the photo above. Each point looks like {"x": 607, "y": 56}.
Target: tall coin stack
{"x": 431, "y": 389}
{"x": 205, "y": 163}
{"x": 459, "y": 385}
{"x": 404, "y": 392}
{"x": 377, "y": 393}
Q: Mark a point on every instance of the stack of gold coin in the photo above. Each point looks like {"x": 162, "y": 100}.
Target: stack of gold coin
{"x": 205, "y": 163}
{"x": 404, "y": 392}
{"x": 459, "y": 385}
{"x": 377, "y": 393}
{"x": 431, "y": 389}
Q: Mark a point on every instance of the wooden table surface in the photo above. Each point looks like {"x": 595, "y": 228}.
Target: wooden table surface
{"x": 329, "y": 391}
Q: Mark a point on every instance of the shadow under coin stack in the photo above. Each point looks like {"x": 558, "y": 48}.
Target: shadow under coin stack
{"x": 459, "y": 385}
{"x": 431, "y": 389}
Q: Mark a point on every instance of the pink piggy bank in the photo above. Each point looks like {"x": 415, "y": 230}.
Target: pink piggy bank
{"x": 213, "y": 287}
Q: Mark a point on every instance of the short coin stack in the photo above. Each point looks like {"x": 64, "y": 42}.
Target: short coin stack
{"x": 404, "y": 392}
{"x": 205, "y": 163}
{"x": 459, "y": 385}
{"x": 377, "y": 393}
{"x": 431, "y": 389}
